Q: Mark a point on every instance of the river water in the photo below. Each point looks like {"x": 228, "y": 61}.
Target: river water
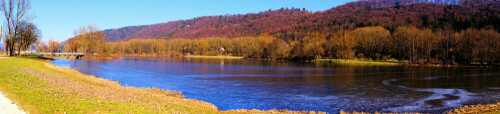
{"x": 252, "y": 84}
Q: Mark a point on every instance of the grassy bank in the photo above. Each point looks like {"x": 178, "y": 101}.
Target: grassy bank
{"x": 216, "y": 57}
{"x": 40, "y": 87}
{"x": 360, "y": 61}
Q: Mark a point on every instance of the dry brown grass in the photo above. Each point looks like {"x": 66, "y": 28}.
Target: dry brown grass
{"x": 476, "y": 109}
{"x": 73, "y": 82}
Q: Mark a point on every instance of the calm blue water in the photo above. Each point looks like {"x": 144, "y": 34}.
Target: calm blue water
{"x": 251, "y": 84}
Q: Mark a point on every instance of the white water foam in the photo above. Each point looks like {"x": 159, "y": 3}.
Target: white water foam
{"x": 437, "y": 93}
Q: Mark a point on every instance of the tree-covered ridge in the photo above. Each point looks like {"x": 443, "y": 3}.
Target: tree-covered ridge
{"x": 417, "y": 32}
{"x": 405, "y": 43}
{"x": 295, "y": 23}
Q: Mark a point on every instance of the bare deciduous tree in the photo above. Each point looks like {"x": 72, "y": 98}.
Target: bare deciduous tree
{"x": 28, "y": 35}
{"x": 15, "y": 12}
{"x": 88, "y": 39}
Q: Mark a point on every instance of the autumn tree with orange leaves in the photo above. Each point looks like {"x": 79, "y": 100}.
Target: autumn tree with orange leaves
{"x": 341, "y": 45}
{"x": 87, "y": 40}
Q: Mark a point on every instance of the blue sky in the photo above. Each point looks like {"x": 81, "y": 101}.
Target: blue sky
{"x": 57, "y": 19}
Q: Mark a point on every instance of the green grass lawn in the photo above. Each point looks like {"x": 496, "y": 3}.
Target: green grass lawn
{"x": 39, "y": 87}
{"x": 359, "y": 61}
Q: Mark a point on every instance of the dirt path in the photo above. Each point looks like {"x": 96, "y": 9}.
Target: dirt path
{"x": 8, "y": 107}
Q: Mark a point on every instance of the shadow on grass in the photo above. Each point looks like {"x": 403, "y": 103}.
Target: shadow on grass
{"x": 36, "y": 57}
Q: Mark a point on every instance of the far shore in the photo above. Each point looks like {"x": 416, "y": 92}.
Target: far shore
{"x": 218, "y": 56}
{"x": 351, "y": 61}
{"x": 395, "y": 62}
{"x": 391, "y": 62}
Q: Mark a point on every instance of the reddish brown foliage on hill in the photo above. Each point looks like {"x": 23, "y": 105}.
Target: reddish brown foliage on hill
{"x": 294, "y": 24}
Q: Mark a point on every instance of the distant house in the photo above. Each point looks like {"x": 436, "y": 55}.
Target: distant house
{"x": 187, "y": 53}
{"x": 220, "y": 49}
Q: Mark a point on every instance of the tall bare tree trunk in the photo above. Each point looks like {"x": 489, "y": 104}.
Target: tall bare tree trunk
{"x": 15, "y": 13}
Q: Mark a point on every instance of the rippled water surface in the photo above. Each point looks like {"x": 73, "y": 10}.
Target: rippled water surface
{"x": 251, "y": 84}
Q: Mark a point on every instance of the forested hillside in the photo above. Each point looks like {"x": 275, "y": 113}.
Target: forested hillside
{"x": 295, "y": 23}
{"x": 416, "y": 31}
